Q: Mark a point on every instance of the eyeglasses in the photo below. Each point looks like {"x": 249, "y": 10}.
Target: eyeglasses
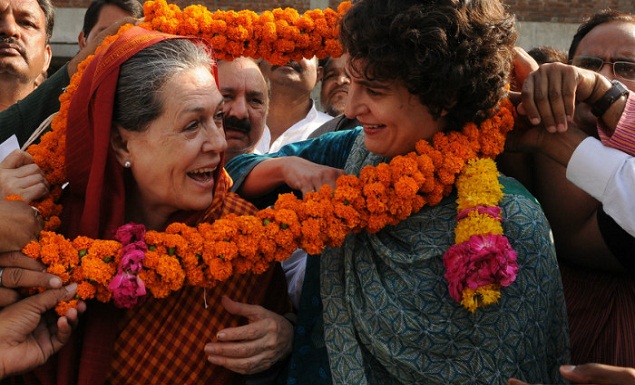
{"x": 623, "y": 69}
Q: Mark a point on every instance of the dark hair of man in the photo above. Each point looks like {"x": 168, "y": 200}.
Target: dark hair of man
{"x": 49, "y": 16}
{"x": 323, "y": 62}
{"x": 133, "y": 7}
{"x": 455, "y": 55}
{"x": 545, "y": 54}
{"x": 602, "y": 17}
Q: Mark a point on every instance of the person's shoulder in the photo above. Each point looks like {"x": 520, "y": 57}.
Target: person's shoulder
{"x": 338, "y": 123}
{"x": 512, "y": 187}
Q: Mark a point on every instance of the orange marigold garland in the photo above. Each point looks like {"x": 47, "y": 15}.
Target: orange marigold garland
{"x": 277, "y": 36}
{"x": 137, "y": 262}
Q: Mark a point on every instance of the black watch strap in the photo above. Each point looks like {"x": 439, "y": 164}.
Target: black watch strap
{"x": 611, "y": 96}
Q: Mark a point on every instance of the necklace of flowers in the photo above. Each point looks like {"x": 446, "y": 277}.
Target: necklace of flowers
{"x": 122, "y": 270}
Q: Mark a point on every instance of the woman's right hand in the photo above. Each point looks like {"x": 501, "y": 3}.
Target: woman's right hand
{"x": 306, "y": 176}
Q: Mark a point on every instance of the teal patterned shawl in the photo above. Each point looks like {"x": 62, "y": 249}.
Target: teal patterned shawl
{"x": 389, "y": 319}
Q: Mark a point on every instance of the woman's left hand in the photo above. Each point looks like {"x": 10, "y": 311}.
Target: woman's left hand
{"x": 255, "y": 347}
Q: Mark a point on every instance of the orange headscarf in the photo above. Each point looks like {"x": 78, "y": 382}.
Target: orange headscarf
{"x": 95, "y": 204}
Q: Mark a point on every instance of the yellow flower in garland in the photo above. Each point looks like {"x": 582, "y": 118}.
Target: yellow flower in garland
{"x": 162, "y": 262}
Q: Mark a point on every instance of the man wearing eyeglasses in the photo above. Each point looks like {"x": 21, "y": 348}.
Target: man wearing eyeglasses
{"x": 585, "y": 187}
{"x": 605, "y": 44}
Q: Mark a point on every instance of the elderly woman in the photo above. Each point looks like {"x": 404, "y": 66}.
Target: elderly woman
{"x": 145, "y": 144}
{"x": 378, "y": 309}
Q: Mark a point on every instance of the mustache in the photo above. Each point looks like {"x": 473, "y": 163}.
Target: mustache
{"x": 12, "y": 42}
{"x": 237, "y": 124}
{"x": 293, "y": 64}
{"x": 343, "y": 87}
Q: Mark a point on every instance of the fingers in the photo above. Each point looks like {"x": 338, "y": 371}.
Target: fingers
{"x": 250, "y": 365}
{"x": 65, "y": 326}
{"x": 8, "y": 297}
{"x": 47, "y": 300}
{"x": 17, "y": 259}
{"x": 18, "y": 271}
{"x": 523, "y": 65}
{"x": 254, "y": 347}
{"x": 27, "y": 181}
{"x": 22, "y": 271}
{"x": 60, "y": 332}
{"x": 598, "y": 373}
{"x": 13, "y": 277}
{"x": 16, "y": 159}
{"x": 548, "y": 96}
{"x": 243, "y": 309}
{"x": 14, "y": 237}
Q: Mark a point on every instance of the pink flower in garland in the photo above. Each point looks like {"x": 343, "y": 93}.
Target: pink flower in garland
{"x": 127, "y": 288}
{"x": 132, "y": 257}
{"x": 481, "y": 261}
{"x": 131, "y": 232}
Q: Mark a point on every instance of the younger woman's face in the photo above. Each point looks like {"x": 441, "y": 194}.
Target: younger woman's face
{"x": 394, "y": 120}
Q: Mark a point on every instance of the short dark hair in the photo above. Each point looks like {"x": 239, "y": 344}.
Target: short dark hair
{"x": 49, "y": 16}
{"x": 133, "y": 7}
{"x": 602, "y": 17}
{"x": 455, "y": 55}
{"x": 545, "y": 54}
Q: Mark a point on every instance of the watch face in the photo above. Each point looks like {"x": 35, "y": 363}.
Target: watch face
{"x": 611, "y": 96}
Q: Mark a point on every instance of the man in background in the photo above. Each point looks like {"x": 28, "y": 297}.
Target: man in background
{"x": 246, "y": 103}
{"x": 102, "y": 13}
{"x": 26, "y": 27}
{"x": 292, "y": 112}
{"x": 335, "y": 82}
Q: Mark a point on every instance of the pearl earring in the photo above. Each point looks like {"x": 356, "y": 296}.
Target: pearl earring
{"x": 127, "y": 164}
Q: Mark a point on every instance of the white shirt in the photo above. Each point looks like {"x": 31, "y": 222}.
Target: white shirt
{"x": 608, "y": 175}
{"x": 299, "y": 131}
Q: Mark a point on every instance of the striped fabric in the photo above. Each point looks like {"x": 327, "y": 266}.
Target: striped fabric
{"x": 601, "y": 311}
{"x": 623, "y": 138}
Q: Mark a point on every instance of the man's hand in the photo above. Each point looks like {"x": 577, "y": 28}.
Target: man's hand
{"x": 18, "y": 271}
{"x": 28, "y": 336}
{"x": 19, "y": 175}
{"x": 19, "y": 224}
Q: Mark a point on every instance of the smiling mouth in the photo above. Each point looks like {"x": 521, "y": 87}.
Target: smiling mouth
{"x": 202, "y": 174}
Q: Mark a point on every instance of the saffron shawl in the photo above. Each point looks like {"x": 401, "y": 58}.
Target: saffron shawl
{"x": 174, "y": 330}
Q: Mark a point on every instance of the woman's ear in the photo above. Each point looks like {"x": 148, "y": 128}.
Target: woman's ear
{"x": 119, "y": 143}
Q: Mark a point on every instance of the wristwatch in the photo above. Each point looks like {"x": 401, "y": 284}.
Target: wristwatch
{"x": 611, "y": 96}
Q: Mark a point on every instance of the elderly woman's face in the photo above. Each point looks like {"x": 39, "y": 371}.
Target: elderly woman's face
{"x": 394, "y": 120}
{"x": 174, "y": 159}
